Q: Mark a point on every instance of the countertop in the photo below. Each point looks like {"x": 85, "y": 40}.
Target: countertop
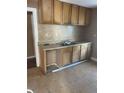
{"x": 59, "y": 46}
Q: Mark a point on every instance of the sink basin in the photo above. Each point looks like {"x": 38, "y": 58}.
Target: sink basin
{"x": 65, "y": 44}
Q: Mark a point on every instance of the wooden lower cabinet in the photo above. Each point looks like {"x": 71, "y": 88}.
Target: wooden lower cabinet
{"x": 85, "y": 51}
{"x": 59, "y": 57}
{"x": 88, "y": 50}
{"x": 76, "y": 54}
{"x": 66, "y": 55}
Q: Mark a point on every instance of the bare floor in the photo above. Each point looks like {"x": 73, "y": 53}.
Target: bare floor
{"x": 78, "y": 79}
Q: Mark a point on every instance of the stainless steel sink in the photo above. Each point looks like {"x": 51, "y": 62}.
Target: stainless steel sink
{"x": 71, "y": 43}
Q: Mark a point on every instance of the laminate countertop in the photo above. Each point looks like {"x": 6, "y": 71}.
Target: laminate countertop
{"x": 59, "y": 45}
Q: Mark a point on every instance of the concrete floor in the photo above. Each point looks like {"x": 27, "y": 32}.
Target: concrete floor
{"x": 78, "y": 79}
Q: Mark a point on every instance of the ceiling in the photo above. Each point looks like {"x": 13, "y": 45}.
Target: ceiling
{"x": 85, "y": 3}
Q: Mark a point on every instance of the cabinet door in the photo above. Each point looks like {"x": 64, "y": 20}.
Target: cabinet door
{"x": 50, "y": 57}
{"x": 76, "y": 54}
{"x": 74, "y": 15}
{"x": 57, "y": 12}
{"x": 66, "y": 16}
{"x": 88, "y": 16}
{"x": 59, "y": 57}
{"x": 46, "y": 11}
{"x": 88, "y": 50}
{"x": 82, "y": 15}
{"x": 83, "y": 51}
{"x": 66, "y": 55}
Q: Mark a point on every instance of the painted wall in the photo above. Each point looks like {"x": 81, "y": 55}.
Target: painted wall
{"x": 90, "y": 33}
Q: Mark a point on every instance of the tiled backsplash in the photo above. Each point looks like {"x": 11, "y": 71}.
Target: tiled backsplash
{"x": 58, "y": 33}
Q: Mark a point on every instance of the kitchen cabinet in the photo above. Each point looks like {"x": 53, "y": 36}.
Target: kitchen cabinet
{"x": 59, "y": 57}
{"x": 88, "y": 16}
{"x": 66, "y": 13}
{"x": 57, "y": 12}
{"x": 66, "y": 55}
{"x": 76, "y": 54}
{"x": 84, "y": 51}
{"x": 46, "y": 11}
{"x": 74, "y": 15}
{"x": 63, "y": 55}
{"x": 82, "y": 16}
{"x": 88, "y": 50}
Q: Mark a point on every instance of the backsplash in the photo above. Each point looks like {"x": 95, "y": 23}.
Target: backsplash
{"x": 58, "y": 33}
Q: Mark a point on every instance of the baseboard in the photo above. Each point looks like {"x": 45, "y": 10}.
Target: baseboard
{"x": 93, "y": 59}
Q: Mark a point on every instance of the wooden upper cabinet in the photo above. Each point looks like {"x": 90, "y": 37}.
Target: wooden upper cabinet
{"x": 74, "y": 15}
{"x": 66, "y": 13}
{"x": 46, "y": 11}
{"x": 88, "y": 16}
{"x": 82, "y": 15}
{"x": 57, "y": 12}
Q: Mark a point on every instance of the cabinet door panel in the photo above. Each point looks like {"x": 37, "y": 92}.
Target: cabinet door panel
{"x": 74, "y": 16}
{"x": 88, "y": 16}
{"x": 66, "y": 16}
{"x": 66, "y": 55}
{"x": 46, "y": 11}
{"x": 82, "y": 15}
{"x": 83, "y": 52}
{"x": 57, "y": 12}
{"x": 88, "y": 50}
{"x": 51, "y": 57}
{"x": 76, "y": 54}
{"x": 59, "y": 57}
